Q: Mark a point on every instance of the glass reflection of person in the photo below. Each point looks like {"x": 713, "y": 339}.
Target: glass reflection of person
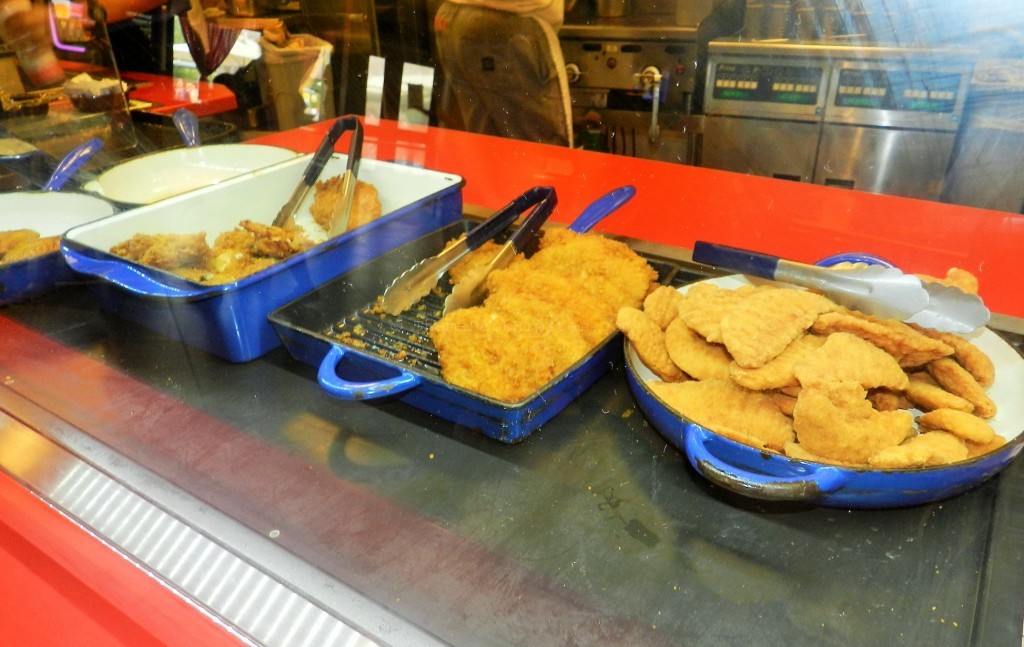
{"x": 25, "y": 28}
{"x": 503, "y": 67}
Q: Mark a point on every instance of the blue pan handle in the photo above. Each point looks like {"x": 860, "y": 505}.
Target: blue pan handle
{"x": 127, "y": 276}
{"x": 74, "y": 160}
{"x": 339, "y": 387}
{"x": 188, "y": 126}
{"x": 602, "y": 207}
{"x": 733, "y": 258}
{"x": 808, "y": 482}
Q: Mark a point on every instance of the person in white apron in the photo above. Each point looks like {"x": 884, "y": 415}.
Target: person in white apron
{"x": 503, "y": 67}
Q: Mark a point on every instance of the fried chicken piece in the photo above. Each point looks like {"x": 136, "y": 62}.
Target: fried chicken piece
{"x": 955, "y": 277}
{"x": 648, "y": 339}
{"x": 165, "y": 251}
{"x": 482, "y": 255}
{"x": 785, "y": 403}
{"x": 269, "y": 241}
{"x": 365, "y": 203}
{"x": 955, "y": 379}
{"x": 908, "y": 346}
{"x": 746, "y": 416}
{"x": 972, "y": 358}
{"x": 606, "y": 268}
{"x": 693, "y": 355}
{"x": 662, "y": 304}
{"x": 704, "y": 304}
{"x": 32, "y": 249}
{"x": 922, "y": 450}
{"x": 777, "y": 372}
{"x": 847, "y": 358}
{"x": 761, "y": 325}
{"x": 510, "y": 287}
{"x": 886, "y": 400}
{"x": 959, "y": 423}
{"x": 796, "y": 450}
{"x": 836, "y": 421}
{"x": 16, "y": 238}
{"x": 502, "y": 354}
{"x": 974, "y": 450}
{"x": 931, "y": 396}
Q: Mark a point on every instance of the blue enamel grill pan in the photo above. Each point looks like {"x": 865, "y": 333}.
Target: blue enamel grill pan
{"x": 393, "y": 357}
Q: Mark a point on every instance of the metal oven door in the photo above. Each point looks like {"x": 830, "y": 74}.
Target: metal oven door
{"x": 772, "y": 148}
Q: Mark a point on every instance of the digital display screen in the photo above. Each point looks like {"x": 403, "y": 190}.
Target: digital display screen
{"x": 898, "y": 89}
{"x": 767, "y": 83}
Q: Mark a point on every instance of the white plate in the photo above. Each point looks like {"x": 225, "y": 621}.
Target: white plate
{"x": 156, "y": 176}
{"x": 50, "y": 213}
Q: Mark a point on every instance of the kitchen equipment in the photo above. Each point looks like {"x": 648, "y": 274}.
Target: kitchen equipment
{"x": 230, "y": 320}
{"x": 313, "y": 170}
{"x": 875, "y": 289}
{"x": 157, "y": 176}
{"x": 871, "y": 117}
{"x": 72, "y": 162}
{"x": 758, "y": 474}
{"x": 50, "y": 213}
{"x": 416, "y": 282}
{"x": 469, "y": 291}
{"x": 362, "y": 354}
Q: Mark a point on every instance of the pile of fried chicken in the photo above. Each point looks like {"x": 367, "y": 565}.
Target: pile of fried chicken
{"x": 251, "y": 246}
{"x": 790, "y": 371}
{"x": 22, "y": 244}
{"x": 542, "y": 314}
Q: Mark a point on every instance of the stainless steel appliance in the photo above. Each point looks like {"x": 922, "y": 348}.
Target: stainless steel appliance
{"x": 875, "y": 118}
{"x": 633, "y": 76}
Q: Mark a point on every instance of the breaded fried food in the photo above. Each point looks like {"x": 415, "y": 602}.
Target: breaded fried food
{"x": 886, "y": 400}
{"x": 836, "y": 421}
{"x": 266, "y": 241}
{"x": 704, "y": 304}
{"x": 785, "y": 403}
{"x": 520, "y": 282}
{"x": 165, "y": 251}
{"x": 777, "y": 373}
{"x": 749, "y": 417}
{"x": 796, "y": 450}
{"x": 955, "y": 277}
{"x": 922, "y": 450}
{"x": 959, "y": 423}
{"x": 848, "y": 358}
{"x": 695, "y": 356}
{"x": 955, "y": 379}
{"x": 972, "y": 358}
{"x": 606, "y": 268}
{"x": 15, "y": 238}
{"x": 762, "y": 324}
{"x": 662, "y": 304}
{"x": 365, "y": 203}
{"x": 482, "y": 255}
{"x": 908, "y": 346}
{"x": 929, "y": 396}
{"x": 648, "y": 339}
{"x": 32, "y": 249}
{"x": 974, "y": 449}
{"x": 505, "y": 355}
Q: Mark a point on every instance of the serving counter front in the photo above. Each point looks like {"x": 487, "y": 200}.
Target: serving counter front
{"x": 263, "y": 510}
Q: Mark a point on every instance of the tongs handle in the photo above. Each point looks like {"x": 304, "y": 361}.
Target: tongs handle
{"x": 505, "y": 216}
{"x": 313, "y": 170}
{"x": 545, "y": 199}
{"x": 733, "y": 258}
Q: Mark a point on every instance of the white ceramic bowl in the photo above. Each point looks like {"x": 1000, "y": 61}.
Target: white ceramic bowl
{"x": 156, "y": 176}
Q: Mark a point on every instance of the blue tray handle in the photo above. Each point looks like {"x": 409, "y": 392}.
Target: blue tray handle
{"x": 808, "y": 482}
{"x": 602, "y": 207}
{"x": 187, "y": 124}
{"x": 127, "y": 276}
{"x": 733, "y": 258}
{"x": 339, "y": 387}
{"x": 72, "y": 162}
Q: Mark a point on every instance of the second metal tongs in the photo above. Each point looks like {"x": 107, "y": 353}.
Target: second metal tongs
{"x": 873, "y": 289}
{"x": 316, "y": 166}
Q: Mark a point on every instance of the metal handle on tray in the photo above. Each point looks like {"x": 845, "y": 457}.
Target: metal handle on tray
{"x": 339, "y": 387}
{"x": 808, "y": 482}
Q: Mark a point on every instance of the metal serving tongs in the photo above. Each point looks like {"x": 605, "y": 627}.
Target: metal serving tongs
{"x": 316, "y": 166}
{"x": 471, "y": 290}
{"x": 873, "y": 289}
{"x": 417, "y": 281}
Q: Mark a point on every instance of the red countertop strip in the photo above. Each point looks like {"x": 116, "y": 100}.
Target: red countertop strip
{"x": 678, "y": 204}
{"x": 60, "y": 587}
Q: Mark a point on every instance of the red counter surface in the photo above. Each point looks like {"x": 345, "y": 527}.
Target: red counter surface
{"x": 677, "y": 204}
